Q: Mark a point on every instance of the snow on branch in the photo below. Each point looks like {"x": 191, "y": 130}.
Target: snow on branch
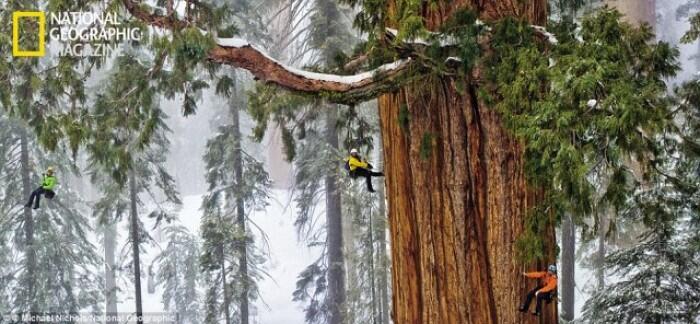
{"x": 239, "y": 43}
{"x": 241, "y": 54}
{"x": 549, "y": 36}
{"x": 453, "y": 42}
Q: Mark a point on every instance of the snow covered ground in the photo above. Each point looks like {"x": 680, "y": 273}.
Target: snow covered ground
{"x": 286, "y": 260}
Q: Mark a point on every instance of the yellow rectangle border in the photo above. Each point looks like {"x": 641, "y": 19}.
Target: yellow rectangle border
{"x": 16, "y": 51}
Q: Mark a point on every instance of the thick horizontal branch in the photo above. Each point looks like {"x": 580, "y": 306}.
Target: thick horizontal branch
{"x": 239, "y": 53}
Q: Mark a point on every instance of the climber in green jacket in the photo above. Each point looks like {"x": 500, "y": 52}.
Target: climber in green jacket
{"x": 46, "y": 189}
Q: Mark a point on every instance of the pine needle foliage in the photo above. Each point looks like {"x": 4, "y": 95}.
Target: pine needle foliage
{"x": 659, "y": 276}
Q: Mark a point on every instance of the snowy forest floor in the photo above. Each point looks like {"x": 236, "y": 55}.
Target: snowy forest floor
{"x": 287, "y": 258}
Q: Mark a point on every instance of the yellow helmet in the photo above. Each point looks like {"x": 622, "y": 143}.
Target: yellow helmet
{"x": 49, "y": 170}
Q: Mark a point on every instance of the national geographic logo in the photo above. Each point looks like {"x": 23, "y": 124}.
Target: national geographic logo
{"x": 75, "y": 34}
{"x": 17, "y": 51}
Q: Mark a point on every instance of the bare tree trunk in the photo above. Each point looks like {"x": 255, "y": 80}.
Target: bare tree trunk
{"x": 350, "y": 259}
{"x": 568, "y": 264}
{"x": 334, "y": 232}
{"x": 455, "y": 216}
{"x": 600, "y": 253}
{"x": 29, "y": 292}
{"x": 224, "y": 286}
{"x": 240, "y": 216}
{"x": 110, "y": 243}
{"x": 372, "y": 269}
{"x": 383, "y": 260}
{"x": 135, "y": 241}
{"x": 66, "y": 279}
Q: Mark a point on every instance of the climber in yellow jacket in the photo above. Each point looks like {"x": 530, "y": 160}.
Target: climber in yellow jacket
{"x": 545, "y": 290}
{"x": 47, "y": 185}
{"x": 358, "y": 167}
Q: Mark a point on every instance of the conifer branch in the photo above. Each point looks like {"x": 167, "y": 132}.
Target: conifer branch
{"x": 239, "y": 53}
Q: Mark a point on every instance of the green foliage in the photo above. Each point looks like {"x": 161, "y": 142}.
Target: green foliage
{"x": 694, "y": 33}
{"x": 238, "y": 184}
{"x": 179, "y": 274}
{"x": 463, "y": 29}
{"x": 588, "y": 107}
{"x": 125, "y": 119}
{"x": 65, "y": 277}
{"x": 191, "y": 46}
{"x": 659, "y": 281}
{"x": 426, "y": 146}
{"x": 404, "y": 117}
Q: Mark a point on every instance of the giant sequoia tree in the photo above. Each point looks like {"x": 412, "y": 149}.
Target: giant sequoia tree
{"x": 489, "y": 125}
{"x": 455, "y": 214}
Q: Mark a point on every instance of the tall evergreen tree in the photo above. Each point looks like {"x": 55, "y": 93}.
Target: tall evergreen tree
{"x": 179, "y": 273}
{"x": 659, "y": 275}
{"x": 130, "y": 145}
{"x": 63, "y": 259}
{"x": 366, "y": 253}
{"x": 238, "y": 185}
{"x": 47, "y": 93}
{"x": 659, "y": 282}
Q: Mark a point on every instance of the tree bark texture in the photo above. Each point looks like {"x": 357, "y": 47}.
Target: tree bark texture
{"x": 455, "y": 216}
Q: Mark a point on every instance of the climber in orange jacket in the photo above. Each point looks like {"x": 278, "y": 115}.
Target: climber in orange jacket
{"x": 546, "y": 288}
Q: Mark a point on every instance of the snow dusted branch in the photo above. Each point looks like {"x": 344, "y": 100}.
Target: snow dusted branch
{"x": 547, "y": 35}
{"x": 241, "y": 54}
{"x": 452, "y": 42}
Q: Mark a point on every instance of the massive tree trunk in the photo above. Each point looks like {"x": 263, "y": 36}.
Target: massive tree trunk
{"x": 135, "y": 241}
{"x": 240, "y": 215}
{"x": 28, "y": 290}
{"x": 334, "y": 232}
{"x": 454, "y": 217}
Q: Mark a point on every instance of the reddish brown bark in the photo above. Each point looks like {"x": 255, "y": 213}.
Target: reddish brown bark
{"x": 454, "y": 217}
